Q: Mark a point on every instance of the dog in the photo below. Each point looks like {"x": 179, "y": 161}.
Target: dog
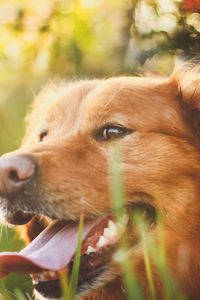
{"x": 61, "y": 173}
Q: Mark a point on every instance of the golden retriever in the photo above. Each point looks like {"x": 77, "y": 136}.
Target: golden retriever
{"x": 61, "y": 172}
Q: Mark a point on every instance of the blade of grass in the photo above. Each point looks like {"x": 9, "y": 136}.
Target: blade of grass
{"x": 116, "y": 185}
{"x": 157, "y": 252}
{"x": 71, "y": 295}
{"x": 19, "y": 295}
{"x": 146, "y": 247}
{"x": 131, "y": 282}
{"x": 159, "y": 256}
{"x": 64, "y": 284}
{"x": 6, "y": 295}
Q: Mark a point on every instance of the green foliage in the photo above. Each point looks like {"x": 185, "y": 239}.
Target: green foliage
{"x": 164, "y": 31}
{"x": 11, "y": 242}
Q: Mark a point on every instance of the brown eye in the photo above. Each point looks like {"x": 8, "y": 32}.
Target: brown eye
{"x": 112, "y": 132}
{"x": 42, "y": 135}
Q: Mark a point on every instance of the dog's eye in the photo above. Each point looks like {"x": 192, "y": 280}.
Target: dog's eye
{"x": 42, "y": 135}
{"x": 112, "y": 132}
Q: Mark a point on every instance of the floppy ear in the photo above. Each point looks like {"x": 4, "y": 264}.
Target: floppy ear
{"x": 187, "y": 81}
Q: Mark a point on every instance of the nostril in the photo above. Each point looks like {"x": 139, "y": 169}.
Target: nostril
{"x": 13, "y": 176}
{"x": 20, "y": 171}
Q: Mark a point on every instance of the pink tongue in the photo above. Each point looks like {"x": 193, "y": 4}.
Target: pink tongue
{"x": 52, "y": 249}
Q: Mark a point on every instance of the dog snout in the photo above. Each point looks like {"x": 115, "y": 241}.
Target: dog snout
{"x": 15, "y": 172}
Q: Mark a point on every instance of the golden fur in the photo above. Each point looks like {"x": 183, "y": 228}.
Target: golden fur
{"x": 160, "y": 161}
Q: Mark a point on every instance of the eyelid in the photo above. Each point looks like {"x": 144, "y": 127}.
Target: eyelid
{"x": 109, "y": 124}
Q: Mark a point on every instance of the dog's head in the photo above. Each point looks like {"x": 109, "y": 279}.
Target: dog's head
{"x": 62, "y": 172}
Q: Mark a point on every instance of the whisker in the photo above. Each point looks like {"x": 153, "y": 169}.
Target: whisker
{"x": 90, "y": 206}
{"x": 28, "y": 296}
{"x": 33, "y": 92}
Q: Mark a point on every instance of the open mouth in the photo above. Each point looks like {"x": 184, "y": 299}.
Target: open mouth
{"x": 53, "y": 250}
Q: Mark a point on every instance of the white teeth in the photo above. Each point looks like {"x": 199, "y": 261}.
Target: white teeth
{"x": 112, "y": 227}
{"x": 111, "y": 234}
{"x": 45, "y": 276}
{"x": 102, "y": 241}
{"x": 107, "y": 233}
{"x": 90, "y": 249}
{"x": 52, "y": 273}
{"x": 39, "y": 277}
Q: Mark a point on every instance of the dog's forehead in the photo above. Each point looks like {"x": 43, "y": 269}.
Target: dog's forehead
{"x": 56, "y": 106}
{"x": 147, "y": 104}
{"x": 66, "y": 107}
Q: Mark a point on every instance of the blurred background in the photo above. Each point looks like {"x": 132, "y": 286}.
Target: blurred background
{"x": 51, "y": 39}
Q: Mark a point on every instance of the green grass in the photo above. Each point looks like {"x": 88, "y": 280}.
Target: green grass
{"x": 69, "y": 286}
{"x": 11, "y": 242}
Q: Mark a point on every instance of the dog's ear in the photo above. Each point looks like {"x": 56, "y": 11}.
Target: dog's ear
{"x": 186, "y": 80}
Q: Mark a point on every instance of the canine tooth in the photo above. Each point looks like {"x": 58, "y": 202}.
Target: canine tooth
{"x": 102, "y": 241}
{"x": 109, "y": 233}
{"x": 112, "y": 227}
{"x": 106, "y": 232}
{"x": 90, "y": 249}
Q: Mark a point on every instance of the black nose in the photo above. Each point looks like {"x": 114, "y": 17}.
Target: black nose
{"x": 15, "y": 172}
